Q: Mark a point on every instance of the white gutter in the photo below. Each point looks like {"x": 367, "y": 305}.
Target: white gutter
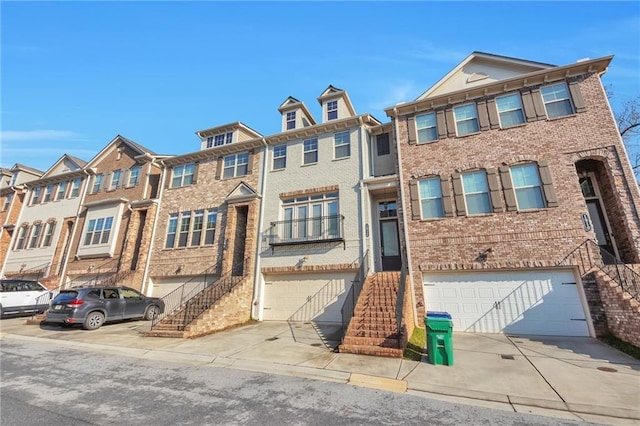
{"x": 17, "y": 227}
{"x": 258, "y": 283}
{"x": 363, "y": 210}
{"x": 145, "y": 276}
{"x": 404, "y": 217}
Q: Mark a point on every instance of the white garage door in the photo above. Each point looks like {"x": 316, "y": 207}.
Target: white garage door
{"x": 517, "y": 302}
{"x": 303, "y": 298}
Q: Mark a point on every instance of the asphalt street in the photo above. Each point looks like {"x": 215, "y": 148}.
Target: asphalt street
{"x": 48, "y": 384}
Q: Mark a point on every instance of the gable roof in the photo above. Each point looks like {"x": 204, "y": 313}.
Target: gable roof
{"x": 481, "y": 68}
{"x": 78, "y": 163}
{"x": 136, "y": 147}
{"x": 332, "y": 92}
{"x": 292, "y": 103}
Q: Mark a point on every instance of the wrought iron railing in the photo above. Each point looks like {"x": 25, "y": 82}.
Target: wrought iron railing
{"x": 349, "y": 306}
{"x": 400, "y": 300}
{"x": 309, "y": 230}
{"x": 589, "y": 255}
{"x": 176, "y": 299}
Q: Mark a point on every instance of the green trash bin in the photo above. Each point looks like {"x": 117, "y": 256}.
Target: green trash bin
{"x": 439, "y": 338}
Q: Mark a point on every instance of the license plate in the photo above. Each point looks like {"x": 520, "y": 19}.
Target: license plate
{"x": 57, "y": 307}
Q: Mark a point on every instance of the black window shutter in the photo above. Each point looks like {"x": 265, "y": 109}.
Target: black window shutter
{"x": 507, "y": 186}
{"x": 447, "y": 202}
{"x": 411, "y": 129}
{"x": 415, "y": 199}
{"x": 494, "y": 190}
{"x": 576, "y": 95}
{"x": 458, "y": 192}
{"x": 547, "y": 184}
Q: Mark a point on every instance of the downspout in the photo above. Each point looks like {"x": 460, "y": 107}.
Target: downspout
{"x": 75, "y": 227}
{"x": 258, "y": 284}
{"x": 405, "y": 227}
{"x": 361, "y": 187}
{"x": 11, "y": 240}
{"x": 145, "y": 276}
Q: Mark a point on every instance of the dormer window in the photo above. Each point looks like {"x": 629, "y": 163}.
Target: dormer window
{"x": 291, "y": 120}
{"x": 332, "y": 110}
{"x": 219, "y": 140}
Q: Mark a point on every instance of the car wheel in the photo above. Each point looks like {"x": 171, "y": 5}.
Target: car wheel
{"x": 93, "y": 321}
{"x": 151, "y": 312}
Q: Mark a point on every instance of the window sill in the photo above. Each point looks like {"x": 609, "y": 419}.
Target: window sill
{"x": 515, "y": 126}
{"x": 279, "y": 170}
{"x": 468, "y": 134}
{"x": 342, "y": 158}
{"x": 310, "y": 164}
{"x": 561, "y": 117}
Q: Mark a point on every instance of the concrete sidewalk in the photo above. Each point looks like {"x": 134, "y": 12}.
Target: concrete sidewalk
{"x": 568, "y": 378}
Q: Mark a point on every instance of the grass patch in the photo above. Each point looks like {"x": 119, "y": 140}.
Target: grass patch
{"x": 416, "y": 345}
{"x": 620, "y": 345}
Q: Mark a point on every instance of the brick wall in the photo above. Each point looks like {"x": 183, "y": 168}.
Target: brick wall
{"x": 622, "y": 312}
{"x": 594, "y": 302}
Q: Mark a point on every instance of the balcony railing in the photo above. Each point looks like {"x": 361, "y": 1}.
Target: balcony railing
{"x": 305, "y": 231}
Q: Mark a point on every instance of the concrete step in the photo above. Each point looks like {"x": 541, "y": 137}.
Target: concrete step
{"x": 164, "y": 333}
{"x": 371, "y": 350}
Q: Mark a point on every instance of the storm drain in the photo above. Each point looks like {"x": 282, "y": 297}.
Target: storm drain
{"x": 608, "y": 369}
{"x": 507, "y": 357}
{"x": 316, "y": 344}
{"x": 270, "y": 339}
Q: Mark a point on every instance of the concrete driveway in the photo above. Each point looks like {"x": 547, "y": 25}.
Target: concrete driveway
{"x": 572, "y": 378}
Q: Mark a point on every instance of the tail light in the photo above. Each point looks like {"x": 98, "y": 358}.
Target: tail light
{"x": 75, "y": 302}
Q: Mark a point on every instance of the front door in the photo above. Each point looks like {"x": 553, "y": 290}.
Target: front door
{"x": 597, "y": 215}
{"x": 389, "y": 242}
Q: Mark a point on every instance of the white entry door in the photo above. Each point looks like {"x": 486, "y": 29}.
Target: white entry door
{"x": 542, "y": 302}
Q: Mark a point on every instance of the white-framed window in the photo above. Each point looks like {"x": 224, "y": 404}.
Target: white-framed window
{"x": 97, "y": 183}
{"x": 218, "y": 140}
{"x": 209, "y": 141}
{"x": 229, "y": 137}
{"x": 75, "y": 188}
{"x": 115, "y": 179}
{"x": 466, "y": 117}
{"x": 134, "y": 176}
{"x": 291, "y": 120}
{"x": 7, "y": 201}
{"x": 172, "y": 227}
{"x": 332, "y": 110}
{"x": 35, "y": 235}
{"x": 476, "y": 192}
{"x": 430, "y": 198}
{"x": 22, "y": 237}
{"x": 185, "y": 224}
{"x": 236, "y": 165}
{"x": 557, "y": 101}
{"x": 37, "y": 192}
{"x": 48, "y": 193}
{"x": 510, "y": 110}
{"x": 210, "y": 230}
{"x": 183, "y": 175}
{"x": 342, "y": 145}
{"x": 196, "y": 232}
{"x": 426, "y": 127}
{"x": 98, "y": 231}
{"x": 310, "y": 151}
{"x": 313, "y": 216}
{"x": 62, "y": 190}
{"x": 527, "y": 186}
{"x": 279, "y": 157}
{"x": 48, "y": 234}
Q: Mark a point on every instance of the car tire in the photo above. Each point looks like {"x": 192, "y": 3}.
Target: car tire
{"x": 151, "y": 312}
{"x": 93, "y": 321}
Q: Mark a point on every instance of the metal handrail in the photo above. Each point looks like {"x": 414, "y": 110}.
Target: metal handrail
{"x": 589, "y": 255}
{"x": 308, "y": 230}
{"x": 349, "y": 305}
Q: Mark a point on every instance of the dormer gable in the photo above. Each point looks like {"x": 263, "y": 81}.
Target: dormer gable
{"x": 21, "y": 174}
{"x": 226, "y": 134}
{"x": 65, "y": 164}
{"x": 295, "y": 115}
{"x": 242, "y": 192}
{"x": 335, "y": 104}
{"x": 479, "y": 69}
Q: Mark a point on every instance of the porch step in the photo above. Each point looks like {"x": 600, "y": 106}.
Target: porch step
{"x": 164, "y": 333}
{"x": 371, "y": 350}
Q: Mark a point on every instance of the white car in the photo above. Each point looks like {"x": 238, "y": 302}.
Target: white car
{"x": 23, "y": 296}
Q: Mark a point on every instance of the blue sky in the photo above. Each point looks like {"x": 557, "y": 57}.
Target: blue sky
{"x": 76, "y": 74}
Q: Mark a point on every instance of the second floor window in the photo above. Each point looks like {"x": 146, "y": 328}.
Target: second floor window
{"x": 556, "y": 100}
{"x": 510, "y": 110}
{"x": 430, "y": 198}
{"x": 476, "y": 192}
{"x": 466, "y": 117}
{"x": 342, "y": 145}
{"x": 196, "y": 233}
{"x": 312, "y": 217}
{"x": 185, "y": 223}
{"x": 279, "y": 157}
{"x": 187, "y": 228}
{"x": 528, "y": 187}
{"x": 426, "y": 127}
{"x": 172, "y": 227}
{"x": 310, "y": 151}
{"x": 332, "y": 110}
{"x": 183, "y": 175}
{"x": 98, "y": 231}
{"x": 236, "y": 165}
{"x": 210, "y": 230}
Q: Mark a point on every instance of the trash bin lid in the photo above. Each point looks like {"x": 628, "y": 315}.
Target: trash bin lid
{"x": 435, "y": 314}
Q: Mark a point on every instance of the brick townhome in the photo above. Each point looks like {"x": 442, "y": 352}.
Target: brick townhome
{"x": 508, "y": 166}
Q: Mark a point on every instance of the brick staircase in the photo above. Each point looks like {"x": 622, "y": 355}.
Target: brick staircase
{"x": 373, "y": 328}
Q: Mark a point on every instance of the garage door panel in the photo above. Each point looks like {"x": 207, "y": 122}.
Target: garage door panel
{"x": 518, "y": 302}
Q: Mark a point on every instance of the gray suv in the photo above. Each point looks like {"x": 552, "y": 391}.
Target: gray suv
{"x": 93, "y": 306}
